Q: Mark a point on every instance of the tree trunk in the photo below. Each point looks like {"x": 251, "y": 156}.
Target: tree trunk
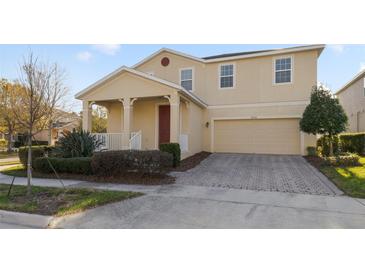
{"x": 331, "y": 145}
{"x": 10, "y": 144}
{"x": 29, "y": 165}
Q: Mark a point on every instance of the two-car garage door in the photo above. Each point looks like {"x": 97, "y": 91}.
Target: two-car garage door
{"x": 264, "y": 136}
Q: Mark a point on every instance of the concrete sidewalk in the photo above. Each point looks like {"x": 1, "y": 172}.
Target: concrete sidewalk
{"x": 188, "y": 206}
{"x": 177, "y": 206}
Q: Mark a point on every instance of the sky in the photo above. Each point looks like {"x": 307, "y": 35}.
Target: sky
{"x": 85, "y": 64}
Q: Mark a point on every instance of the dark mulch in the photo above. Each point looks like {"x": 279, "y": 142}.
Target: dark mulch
{"x": 128, "y": 178}
{"x": 315, "y": 161}
{"x": 191, "y": 161}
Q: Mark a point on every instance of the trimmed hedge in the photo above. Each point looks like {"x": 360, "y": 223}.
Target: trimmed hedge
{"x": 354, "y": 143}
{"x": 349, "y": 159}
{"x": 115, "y": 163}
{"x": 37, "y": 151}
{"x": 346, "y": 142}
{"x": 174, "y": 149}
{"x": 80, "y": 165}
{"x": 311, "y": 151}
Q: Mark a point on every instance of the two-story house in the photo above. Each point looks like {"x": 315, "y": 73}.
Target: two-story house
{"x": 247, "y": 102}
{"x": 352, "y": 99}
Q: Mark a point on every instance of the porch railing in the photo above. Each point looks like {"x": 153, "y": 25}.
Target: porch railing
{"x": 119, "y": 141}
{"x": 135, "y": 142}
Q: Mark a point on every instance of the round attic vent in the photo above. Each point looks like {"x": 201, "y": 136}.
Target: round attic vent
{"x": 165, "y": 61}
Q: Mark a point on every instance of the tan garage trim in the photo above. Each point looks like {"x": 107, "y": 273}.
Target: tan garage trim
{"x": 280, "y": 135}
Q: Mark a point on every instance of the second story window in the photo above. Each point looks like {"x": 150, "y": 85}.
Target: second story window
{"x": 186, "y": 79}
{"x": 226, "y": 76}
{"x": 283, "y": 70}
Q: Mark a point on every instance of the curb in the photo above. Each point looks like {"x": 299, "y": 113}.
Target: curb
{"x": 25, "y": 219}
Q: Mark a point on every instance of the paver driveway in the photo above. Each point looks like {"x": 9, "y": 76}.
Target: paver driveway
{"x": 259, "y": 172}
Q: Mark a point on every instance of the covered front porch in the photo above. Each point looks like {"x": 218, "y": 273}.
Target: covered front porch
{"x": 144, "y": 111}
{"x": 142, "y": 123}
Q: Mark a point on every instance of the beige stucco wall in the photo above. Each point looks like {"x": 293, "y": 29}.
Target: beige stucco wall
{"x": 194, "y": 115}
{"x": 128, "y": 85}
{"x": 253, "y": 81}
{"x": 352, "y": 100}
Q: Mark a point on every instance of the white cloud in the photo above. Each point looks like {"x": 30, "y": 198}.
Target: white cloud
{"x": 362, "y": 66}
{"x": 84, "y": 56}
{"x": 337, "y": 48}
{"x": 110, "y": 49}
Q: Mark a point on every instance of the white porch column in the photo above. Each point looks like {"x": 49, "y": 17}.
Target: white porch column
{"x": 174, "y": 118}
{"x": 86, "y": 115}
{"x": 127, "y": 119}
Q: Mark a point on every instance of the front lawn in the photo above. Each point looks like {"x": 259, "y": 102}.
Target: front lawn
{"x": 351, "y": 180}
{"x": 8, "y": 163}
{"x": 57, "y": 201}
{"x": 4, "y": 154}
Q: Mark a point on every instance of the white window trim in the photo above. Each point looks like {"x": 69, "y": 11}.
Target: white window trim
{"x": 234, "y": 76}
{"x": 274, "y": 70}
{"x": 192, "y": 77}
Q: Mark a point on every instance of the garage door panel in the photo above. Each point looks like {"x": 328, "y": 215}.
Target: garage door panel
{"x": 267, "y": 136}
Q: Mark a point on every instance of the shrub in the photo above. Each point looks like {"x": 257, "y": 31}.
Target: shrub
{"x": 3, "y": 144}
{"x": 115, "y": 163}
{"x": 311, "y": 151}
{"x": 37, "y": 151}
{"x": 174, "y": 149}
{"x": 77, "y": 144}
{"x": 349, "y": 159}
{"x": 347, "y": 142}
{"x": 353, "y": 142}
{"x": 81, "y": 165}
{"x": 323, "y": 145}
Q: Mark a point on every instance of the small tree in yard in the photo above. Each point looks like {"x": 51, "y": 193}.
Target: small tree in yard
{"x": 324, "y": 115}
{"x": 42, "y": 91}
{"x": 8, "y": 123}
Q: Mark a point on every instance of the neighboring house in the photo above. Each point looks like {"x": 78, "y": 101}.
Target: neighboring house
{"x": 352, "y": 99}
{"x": 247, "y": 102}
{"x": 63, "y": 122}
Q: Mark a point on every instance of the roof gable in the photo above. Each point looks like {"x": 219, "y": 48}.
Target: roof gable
{"x": 143, "y": 75}
{"x": 353, "y": 80}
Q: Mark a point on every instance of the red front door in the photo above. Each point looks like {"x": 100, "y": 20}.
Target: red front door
{"x": 164, "y": 124}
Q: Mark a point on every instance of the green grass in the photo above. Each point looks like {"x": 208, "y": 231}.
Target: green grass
{"x": 351, "y": 180}
{"x": 4, "y": 154}
{"x": 8, "y": 163}
{"x": 17, "y": 171}
{"x": 57, "y": 201}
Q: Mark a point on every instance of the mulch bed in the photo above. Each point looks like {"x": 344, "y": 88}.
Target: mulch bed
{"x": 133, "y": 178}
{"x": 191, "y": 161}
{"x": 315, "y": 161}
{"x": 129, "y": 178}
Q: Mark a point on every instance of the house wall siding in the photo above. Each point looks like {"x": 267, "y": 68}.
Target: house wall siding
{"x": 352, "y": 100}
{"x": 253, "y": 77}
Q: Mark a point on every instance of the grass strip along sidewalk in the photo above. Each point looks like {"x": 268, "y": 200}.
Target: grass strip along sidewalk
{"x": 58, "y": 201}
